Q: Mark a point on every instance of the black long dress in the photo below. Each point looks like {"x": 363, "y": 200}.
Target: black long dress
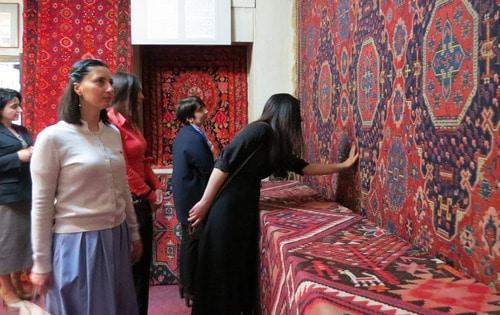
{"x": 226, "y": 280}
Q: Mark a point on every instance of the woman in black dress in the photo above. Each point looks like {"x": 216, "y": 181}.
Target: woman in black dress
{"x": 226, "y": 279}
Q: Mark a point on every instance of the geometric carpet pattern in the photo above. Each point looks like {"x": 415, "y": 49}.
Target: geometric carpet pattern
{"x": 320, "y": 258}
{"x": 166, "y": 238}
{"x": 415, "y": 85}
{"x": 286, "y": 193}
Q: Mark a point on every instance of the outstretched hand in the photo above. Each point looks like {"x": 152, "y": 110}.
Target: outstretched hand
{"x": 353, "y": 157}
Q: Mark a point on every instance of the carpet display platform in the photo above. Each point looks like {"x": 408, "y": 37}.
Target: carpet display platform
{"x": 318, "y": 257}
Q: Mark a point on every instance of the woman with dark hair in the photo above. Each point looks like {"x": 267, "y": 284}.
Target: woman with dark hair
{"x": 193, "y": 163}
{"x": 84, "y": 228}
{"x": 226, "y": 279}
{"x": 15, "y": 195}
{"x": 144, "y": 185}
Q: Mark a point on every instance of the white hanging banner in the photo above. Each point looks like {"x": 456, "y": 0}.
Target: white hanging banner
{"x": 181, "y": 22}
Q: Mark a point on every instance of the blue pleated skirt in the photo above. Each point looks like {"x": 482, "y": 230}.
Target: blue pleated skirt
{"x": 92, "y": 274}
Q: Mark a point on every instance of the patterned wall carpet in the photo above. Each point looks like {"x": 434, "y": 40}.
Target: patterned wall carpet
{"x": 58, "y": 33}
{"x": 218, "y": 76}
{"x": 415, "y": 85}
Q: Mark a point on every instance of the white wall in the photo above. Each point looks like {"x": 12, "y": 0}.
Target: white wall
{"x": 273, "y": 57}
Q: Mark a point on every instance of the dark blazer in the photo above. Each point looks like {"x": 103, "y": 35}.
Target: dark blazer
{"x": 15, "y": 179}
{"x": 193, "y": 164}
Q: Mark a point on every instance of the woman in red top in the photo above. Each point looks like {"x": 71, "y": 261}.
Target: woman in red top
{"x": 144, "y": 185}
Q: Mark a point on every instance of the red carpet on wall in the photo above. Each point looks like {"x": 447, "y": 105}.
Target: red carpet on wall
{"x": 217, "y": 75}
{"x": 415, "y": 85}
{"x": 58, "y": 33}
{"x": 317, "y": 257}
{"x": 166, "y": 239}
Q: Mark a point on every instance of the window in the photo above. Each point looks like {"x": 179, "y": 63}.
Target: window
{"x": 10, "y": 75}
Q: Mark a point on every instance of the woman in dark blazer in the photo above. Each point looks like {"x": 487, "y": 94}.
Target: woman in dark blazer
{"x": 193, "y": 163}
{"x": 15, "y": 196}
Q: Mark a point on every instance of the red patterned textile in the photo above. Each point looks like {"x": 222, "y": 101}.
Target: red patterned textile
{"x": 166, "y": 238}
{"x": 286, "y": 192}
{"x": 58, "y": 33}
{"x": 320, "y": 258}
{"x": 415, "y": 85}
{"x": 284, "y": 228}
{"x": 216, "y": 74}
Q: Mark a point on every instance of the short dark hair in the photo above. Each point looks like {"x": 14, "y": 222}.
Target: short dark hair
{"x": 69, "y": 106}
{"x": 127, "y": 88}
{"x": 6, "y": 95}
{"x": 187, "y": 107}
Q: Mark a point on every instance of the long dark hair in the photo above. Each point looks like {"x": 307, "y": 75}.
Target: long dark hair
{"x": 69, "y": 106}
{"x": 282, "y": 113}
{"x": 127, "y": 88}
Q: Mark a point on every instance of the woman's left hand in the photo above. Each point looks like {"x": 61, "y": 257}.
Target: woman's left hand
{"x": 198, "y": 213}
{"x": 136, "y": 251}
{"x": 41, "y": 281}
{"x": 353, "y": 157}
